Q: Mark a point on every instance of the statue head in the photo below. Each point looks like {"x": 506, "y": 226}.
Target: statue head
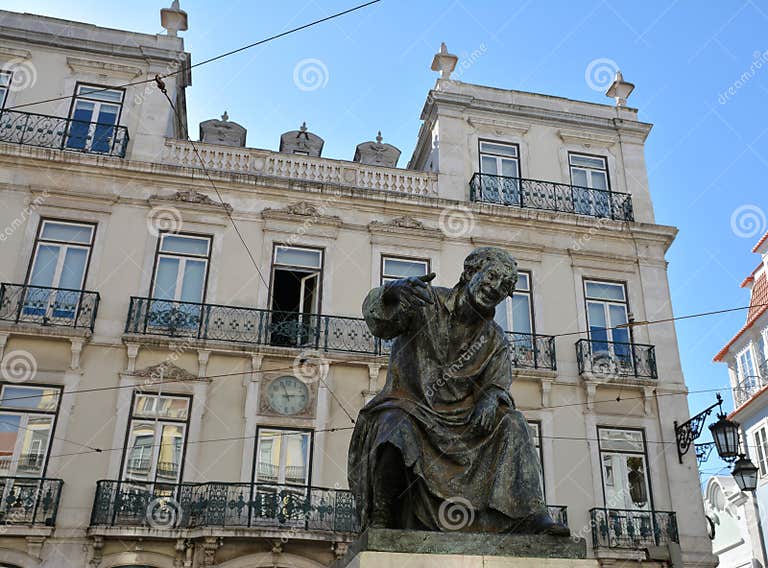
{"x": 490, "y": 275}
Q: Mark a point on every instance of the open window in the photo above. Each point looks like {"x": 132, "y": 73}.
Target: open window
{"x": 295, "y": 295}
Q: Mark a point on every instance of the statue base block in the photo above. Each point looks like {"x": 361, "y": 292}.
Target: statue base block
{"x": 389, "y": 548}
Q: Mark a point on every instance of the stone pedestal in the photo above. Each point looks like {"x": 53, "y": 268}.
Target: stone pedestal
{"x": 385, "y": 548}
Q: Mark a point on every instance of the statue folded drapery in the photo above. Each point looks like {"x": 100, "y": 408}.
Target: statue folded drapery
{"x": 442, "y": 446}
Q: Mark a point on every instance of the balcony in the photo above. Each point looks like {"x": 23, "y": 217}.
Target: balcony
{"x": 30, "y": 129}
{"x": 614, "y": 360}
{"x": 632, "y": 529}
{"x": 29, "y": 501}
{"x": 225, "y": 505}
{"x": 64, "y": 307}
{"x": 551, "y": 196}
{"x": 749, "y": 386}
{"x": 532, "y": 351}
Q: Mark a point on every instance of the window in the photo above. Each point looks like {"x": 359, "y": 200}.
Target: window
{"x": 515, "y": 314}
{"x": 590, "y": 172}
{"x": 295, "y": 295}
{"x": 95, "y": 113}
{"x": 6, "y": 79}
{"x": 283, "y": 456}
{"x": 607, "y": 308}
{"x": 746, "y": 364}
{"x": 761, "y": 445}
{"x": 27, "y": 418}
{"x": 156, "y": 438}
{"x": 624, "y": 468}
{"x": 535, "y": 427}
{"x": 501, "y": 164}
{"x": 60, "y": 261}
{"x": 393, "y": 268}
{"x": 181, "y": 267}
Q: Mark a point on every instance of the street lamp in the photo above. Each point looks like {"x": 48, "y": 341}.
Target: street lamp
{"x": 725, "y": 433}
{"x": 745, "y": 473}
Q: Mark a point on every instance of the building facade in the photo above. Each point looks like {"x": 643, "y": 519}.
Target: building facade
{"x": 745, "y": 355}
{"x": 183, "y": 350}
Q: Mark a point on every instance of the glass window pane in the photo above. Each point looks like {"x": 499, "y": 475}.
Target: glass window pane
{"x": 170, "y": 453}
{"x": 296, "y": 457}
{"x": 488, "y": 165}
{"x": 140, "y": 450}
{"x": 66, "y": 232}
{"x": 509, "y": 168}
{"x": 298, "y": 257}
{"x": 605, "y": 291}
{"x": 34, "y": 445}
{"x": 166, "y": 278}
{"x": 598, "y": 180}
{"x": 37, "y": 398}
{"x": 501, "y": 316}
{"x": 193, "y": 281}
{"x": 523, "y": 282}
{"x": 587, "y": 161}
{"x": 9, "y": 432}
{"x": 401, "y": 268}
{"x": 521, "y": 313}
{"x": 73, "y": 271}
{"x": 83, "y": 113}
{"x": 621, "y": 440}
{"x": 99, "y": 93}
{"x": 5, "y": 78}
{"x": 44, "y": 268}
{"x": 500, "y": 149}
{"x": 157, "y": 406}
{"x": 267, "y": 468}
{"x": 108, "y": 114}
{"x": 183, "y": 244}
{"x": 579, "y": 177}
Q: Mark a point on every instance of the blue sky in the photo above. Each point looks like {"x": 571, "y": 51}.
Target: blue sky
{"x": 707, "y": 155}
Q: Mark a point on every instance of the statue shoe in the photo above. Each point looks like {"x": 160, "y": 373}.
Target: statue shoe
{"x": 544, "y": 524}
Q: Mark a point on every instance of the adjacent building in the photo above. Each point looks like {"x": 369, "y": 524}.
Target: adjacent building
{"x": 183, "y": 353}
{"x": 745, "y": 355}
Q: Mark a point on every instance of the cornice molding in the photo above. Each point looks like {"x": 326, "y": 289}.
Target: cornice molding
{"x": 12, "y": 53}
{"x": 98, "y": 67}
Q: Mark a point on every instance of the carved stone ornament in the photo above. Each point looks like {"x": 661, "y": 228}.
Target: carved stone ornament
{"x": 193, "y": 197}
{"x": 165, "y": 371}
{"x": 304, "y": 209}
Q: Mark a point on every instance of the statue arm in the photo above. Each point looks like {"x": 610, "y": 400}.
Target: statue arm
{"x": 385, "y": 319}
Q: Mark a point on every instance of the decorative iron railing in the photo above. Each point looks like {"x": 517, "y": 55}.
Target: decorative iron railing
{"x": 31, "y": 129}
{"x": 23, "y": 303}
{"x": 532, "y": 351}
{"x": 218, "y": 504}
{"x": 632, "y": 529}
{"x": 149, "y": 316}
{"x": 616, "y": 360}
{"x": 31, "y": 501}
{"x": 551, "y": 196}
{"x": 748, "y": 386}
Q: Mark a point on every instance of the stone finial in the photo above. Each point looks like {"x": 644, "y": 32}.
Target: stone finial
{"x": 620, "y": 90}
{"x": 223, "y": 132}
{"x": 379, "y": 138}
{"x": 376, "y": 153}
{"x": 301, "y": 141}
{"x": 444, "y": 62}
{"x": 224, "y": 117}
{"x": 174, "y": 19}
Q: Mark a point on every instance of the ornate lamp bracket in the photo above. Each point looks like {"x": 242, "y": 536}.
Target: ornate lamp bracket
{"x": 687, "y": 432}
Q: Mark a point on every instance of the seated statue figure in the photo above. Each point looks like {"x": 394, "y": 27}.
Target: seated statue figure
{"x": 444, "y": 434}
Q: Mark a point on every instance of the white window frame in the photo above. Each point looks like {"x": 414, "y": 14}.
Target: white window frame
{"x": 388, "y": 277}
{"x": 64, "y": 246}
{"x": 499, "y": 157}
{"x": 606, "y": 304}
{"x": 182, "y": 258}
{"x": 589, "y": 170}
{"x": 98, "y": 101}
{"x": 528, "y": 292}
{"x": 761, "y": 448}
{"x": 5, "y": 87}
{"x": 740, "y": 366}
{"x": 648, "y": 506}
{"x": 281, "y": 477}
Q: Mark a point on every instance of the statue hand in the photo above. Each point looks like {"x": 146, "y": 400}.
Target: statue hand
{"x": 485, "y": 412}
{"x": 411, "y": 292}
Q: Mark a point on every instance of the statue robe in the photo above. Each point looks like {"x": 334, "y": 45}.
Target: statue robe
{"x": 438, "y": 370}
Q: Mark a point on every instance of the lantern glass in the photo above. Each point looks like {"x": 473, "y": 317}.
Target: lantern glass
{"x": 745, "y": 474}
{"x": 725, "y": 433}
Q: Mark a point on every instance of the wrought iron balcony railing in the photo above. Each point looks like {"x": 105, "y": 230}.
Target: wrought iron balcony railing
{"x": 148, "y": 316}
{"x": 551, "y": 196}
{"x": 23, "y": 303}
{"x": 227, "y": 505}
{"x": 748, "y": 386}
{"x": 612, "y": 359}
{"x": 31, "y": 129}
{"x": 532, "y": 351}
{"x": 632, "y": 529}
{"x": 231, "y": 505}
{"x": 30, "y": 501}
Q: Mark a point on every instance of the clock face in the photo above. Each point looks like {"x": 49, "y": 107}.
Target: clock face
{"x": 287, "y": 395}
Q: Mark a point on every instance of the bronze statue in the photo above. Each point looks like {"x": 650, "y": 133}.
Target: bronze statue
{"x": 442, "y": 446}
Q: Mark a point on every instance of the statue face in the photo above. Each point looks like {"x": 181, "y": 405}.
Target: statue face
{"x": 491, "y": 284}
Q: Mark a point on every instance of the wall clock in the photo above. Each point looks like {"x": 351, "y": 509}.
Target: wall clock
{"x": 288, "y": 395}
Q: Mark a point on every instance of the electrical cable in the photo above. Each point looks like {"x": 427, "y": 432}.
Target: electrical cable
{"x": 206, "y": 61}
